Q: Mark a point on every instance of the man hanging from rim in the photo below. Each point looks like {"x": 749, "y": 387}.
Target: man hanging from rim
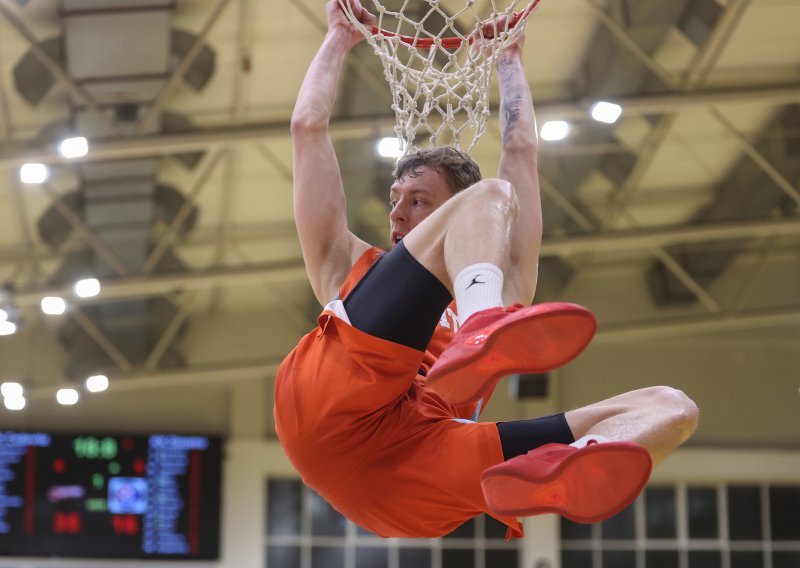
{"x": 377, "y": 406}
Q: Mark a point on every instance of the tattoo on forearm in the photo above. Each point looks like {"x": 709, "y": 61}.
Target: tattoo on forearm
{"x": 511, "y": 93}
{"x": 503, "y": 64}
{"x": 512, "y": 109}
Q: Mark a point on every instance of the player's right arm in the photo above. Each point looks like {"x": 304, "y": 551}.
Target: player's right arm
{"x": 329, "y": 248}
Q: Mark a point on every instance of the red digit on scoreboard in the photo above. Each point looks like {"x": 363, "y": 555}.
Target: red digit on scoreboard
{"x": 66, "y": 523}
{"x": 126, "y": 524}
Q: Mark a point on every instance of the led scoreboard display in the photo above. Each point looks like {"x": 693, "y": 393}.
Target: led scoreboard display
{"x": 102, "y": 496}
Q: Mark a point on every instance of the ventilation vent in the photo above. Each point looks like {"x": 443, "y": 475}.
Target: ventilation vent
{"x": 173, "y": 123}
{"x": 31, "y": 78}
{"x": 202, "y": 68}
{"x": 529, "y": 386}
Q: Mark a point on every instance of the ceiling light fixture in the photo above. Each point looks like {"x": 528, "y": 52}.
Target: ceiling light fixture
{"x": 11, "y": 389}
{"x": 71, "y": 148}
{"x": 67, "y": 397}
{"x": 97, "y": 383}
{"x": 8, "y": 328}
{"x": 87, "y": 288}
{"x": 554, "y": 130}
{"x": 14, "y": 402}
{"x": 390, "y": 147}
{"x": 606, "y": 112}
{"x": 53, "y": 305}
{"x": 34, "y": 173}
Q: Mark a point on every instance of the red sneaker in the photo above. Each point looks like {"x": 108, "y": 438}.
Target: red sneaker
{"x": 585, "y": 485}
{"x": 496, "y": 342}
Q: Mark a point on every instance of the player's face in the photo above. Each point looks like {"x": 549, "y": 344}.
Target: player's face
{"x": 413, "y": 198}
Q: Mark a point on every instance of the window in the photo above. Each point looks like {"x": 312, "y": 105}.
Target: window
{"x": 693, "y": 526}
{"x": 303, "y": 531}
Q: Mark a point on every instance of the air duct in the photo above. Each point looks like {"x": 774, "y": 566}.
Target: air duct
{"x": 122, "y": 54}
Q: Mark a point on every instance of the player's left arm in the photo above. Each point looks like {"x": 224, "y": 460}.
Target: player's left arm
{"x": 519, "y": 165}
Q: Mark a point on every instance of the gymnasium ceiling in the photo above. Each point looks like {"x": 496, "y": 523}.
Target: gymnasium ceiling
{"x": 182, "y": 208}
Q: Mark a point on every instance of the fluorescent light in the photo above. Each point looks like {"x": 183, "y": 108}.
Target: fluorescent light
{"x": 97, "y": 383}
{"x": 67, "y": 397}
{"x": 10, "y": 389}
{"x": 87, "y": 288}
{"x": 76, "y": 147}
{"x": 34, "y": 173}
{"x": 390, "y": 147}
{"x": 554, "y": 130}
{"x": 606, "y": 112}
{"x": 3, "y": 315}
{"x": 53, "y": 305}
{"x": 8, "y": 328}
{"x": 14, "y": 402}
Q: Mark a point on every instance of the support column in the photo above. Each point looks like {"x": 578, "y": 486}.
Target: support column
{"x": 542, "y": 542}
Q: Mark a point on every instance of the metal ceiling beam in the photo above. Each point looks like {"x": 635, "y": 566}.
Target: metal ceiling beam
{"x": 169, "y": 235}
{"x": 56, "y": 70}
{"x": 656, "y": 249}
{"x": 695, "y": 76}
{"x": 294, "y": 270}
{"x": 342, "y": 129}
{"x": 687, "y": 279}
{"x": 194, "y": 50}
{"x": 625, "y": 38}
{"x": 200, "y": 237}
{"x": 682, "y": 327}
{"x": 27, "y": 239}
{"x": 232, "y": 372}
{"x": 101, "y": 339}
{"x": 658, "y": 104}
{"x": 647, "y": 155}
{"x": 731, "y": 16}
{"x": 156, "y": 285}
{"x": 5, "y": 110}
{"x": 141, "y": 380}
{"x": 766, "y": 166}
{"x": 85, "y": 232}
{"x": 754, "y": 274}
{"x": 699, "y": 69}
{"x": 610, "y": 242}
{"x": 632, "y": 240}
{"x": 170, "y": 332}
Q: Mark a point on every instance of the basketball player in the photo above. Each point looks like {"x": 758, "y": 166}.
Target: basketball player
{"x": 376, "y": 407}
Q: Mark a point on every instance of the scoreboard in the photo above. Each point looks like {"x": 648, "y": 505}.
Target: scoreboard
{"x": 106, "y": 496}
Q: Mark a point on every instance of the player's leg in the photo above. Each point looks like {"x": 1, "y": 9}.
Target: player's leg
{"x": 398, "y": 300}
{"x": 602, "y": 472}
{"x": 471, "y": 227}
{"x": 658, "y": 418}
{"x": 468, "y": 241}
{"x": 405, "y": 293}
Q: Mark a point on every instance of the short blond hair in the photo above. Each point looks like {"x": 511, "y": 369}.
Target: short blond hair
{"x": 460, "y": 171}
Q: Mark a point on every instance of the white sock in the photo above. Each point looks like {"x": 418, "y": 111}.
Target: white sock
{"x": 583, "y": 442}
{"x": 478, "y": 287}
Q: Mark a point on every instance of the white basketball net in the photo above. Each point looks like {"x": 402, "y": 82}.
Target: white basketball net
{"x": 439, "y": 81}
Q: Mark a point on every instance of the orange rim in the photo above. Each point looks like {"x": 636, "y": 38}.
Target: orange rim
{"x": 452, "y": 41}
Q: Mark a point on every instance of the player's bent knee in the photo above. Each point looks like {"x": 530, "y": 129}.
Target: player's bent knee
{"x": 494, "y": 191}
{"x": 682, "y": 410}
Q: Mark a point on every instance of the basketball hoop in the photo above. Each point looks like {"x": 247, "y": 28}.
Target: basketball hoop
{"x": 438, "y": 78}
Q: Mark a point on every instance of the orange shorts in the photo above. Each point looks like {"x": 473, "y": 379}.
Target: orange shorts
{"x": 362, "y": 430}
